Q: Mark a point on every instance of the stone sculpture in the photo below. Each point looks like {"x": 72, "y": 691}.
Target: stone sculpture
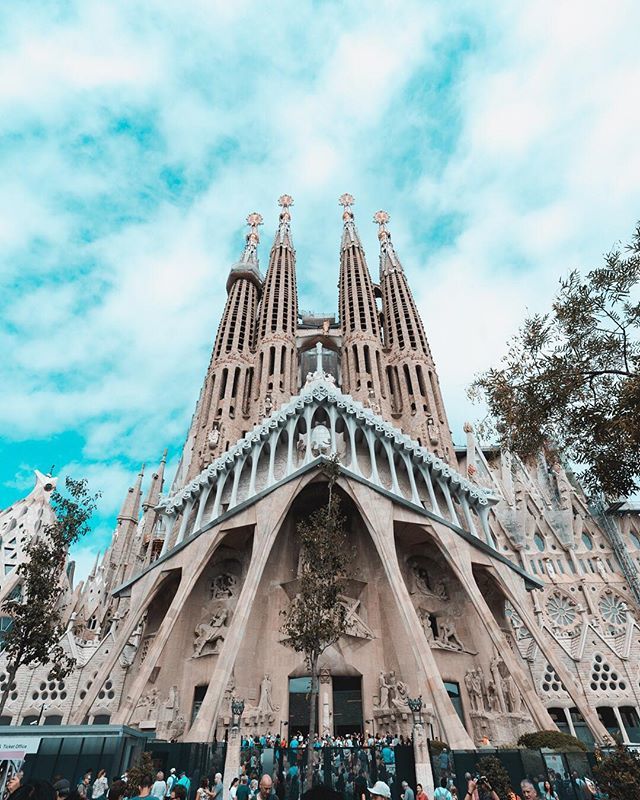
{"x": 448, "y": 638}
{"x": 265, "y": 703}
{"x": 210, "y": 634}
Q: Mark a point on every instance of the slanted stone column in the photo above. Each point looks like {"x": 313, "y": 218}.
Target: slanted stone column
{"x": 424, "y": 773}
{"x": 231, "y": 760}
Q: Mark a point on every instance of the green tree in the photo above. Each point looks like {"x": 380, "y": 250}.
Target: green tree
{"x": 497, "y": 775}
{"x": 142, "y": 767}
{"x": 618, "y": 774}
{"x": 555, "y": 740}
{"x": 316, "y": 618}
{"x": 36, "y": 622}
{"x": 570, "y": 382}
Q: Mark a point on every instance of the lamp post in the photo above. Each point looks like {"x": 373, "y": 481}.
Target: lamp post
{"x": 424, "y": 773}
{"x": 415, "y": 706}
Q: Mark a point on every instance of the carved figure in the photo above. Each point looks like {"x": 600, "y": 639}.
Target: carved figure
{"x": 401, "y": 701}
{"x": 392, "y": 683}
{"x": 423, "y": 584}
{"x": 492, "y": 697}
{"x": 474, "y": 689}
{"x": 496, "y": 673}
{"x": 320, "y": 440}
{"x": 213, "y": 437}
{"x": 265, "y": 703}
{"x": 355, "y": 625}
{"x": 210, "y": 633}
{"x": 177, "y": 727}
{"x": 383, "y": 688}
{"x": 224, "y": 586}
{"x": 448, "y": 636}
{"x": 425, "y": 620}
{"x": 514, "y": 701}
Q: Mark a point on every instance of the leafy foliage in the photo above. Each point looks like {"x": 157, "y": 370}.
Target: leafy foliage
{"x": 36, "y": 622}
{"x": 142, "y": 767}
{"x": 570, "y": 382}
{"x": 496, "y": 773}
{"x": 618, "y": 774}
{"x": 316, "y": 618}
{"x": 554, "y": 740}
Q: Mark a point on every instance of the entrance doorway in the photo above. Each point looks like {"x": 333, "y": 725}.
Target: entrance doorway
{"x": 347, "y": 705}
{"x": 299, "y": 708}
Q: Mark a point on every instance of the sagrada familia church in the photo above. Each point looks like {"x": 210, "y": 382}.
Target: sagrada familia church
{"x": 485, "y": 584}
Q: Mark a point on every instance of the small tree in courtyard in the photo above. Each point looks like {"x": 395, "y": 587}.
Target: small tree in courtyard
{"x": 570, "y": 382}
{"x": 316, "y": 618}
{"x": 496, "y": 774}
{"x": 36, "y": 624}
{"x": 618, "y": 774}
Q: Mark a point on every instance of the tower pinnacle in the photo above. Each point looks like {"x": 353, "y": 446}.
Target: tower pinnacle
{"x": 413, "y": 381}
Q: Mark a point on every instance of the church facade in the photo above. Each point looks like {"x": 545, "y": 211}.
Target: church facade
{"x": 485, "y": 585}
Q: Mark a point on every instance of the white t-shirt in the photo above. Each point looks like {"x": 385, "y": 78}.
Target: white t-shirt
{"x": 100, "y": 787}
{"x": 159, "y": 790}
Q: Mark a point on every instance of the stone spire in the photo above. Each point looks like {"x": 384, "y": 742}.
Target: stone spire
{"x": 223, "y": 407}
{"x": 149, "y": 544}
{"x": 276, "y": 355}
{"x": 155, "y": 486}
{"x": 362, "y": 364}
{"x": 130, "y": 510}
{"x": 415, "y": 390}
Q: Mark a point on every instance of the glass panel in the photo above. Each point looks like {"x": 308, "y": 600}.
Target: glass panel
{"x": 347, "y": 705}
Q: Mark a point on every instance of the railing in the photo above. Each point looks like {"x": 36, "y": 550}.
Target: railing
{"x": 348, "y": 770}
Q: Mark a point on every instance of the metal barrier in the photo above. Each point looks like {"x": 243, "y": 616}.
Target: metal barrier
{"x": 535, "y": 765}
{"x": 348, "y": 770}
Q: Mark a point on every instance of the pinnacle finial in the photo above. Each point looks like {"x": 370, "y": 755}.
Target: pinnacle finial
{"x": 381, "y": 218}
{"x": 285, "y": 202}
{"x": 253, "y": 221}
{"x": 250, "y": 250}
{"x": 346, "y": 200}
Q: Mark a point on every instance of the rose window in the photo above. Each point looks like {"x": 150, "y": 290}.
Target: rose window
{"x": 562, "y": 610}
{"x": 613, "y": 609}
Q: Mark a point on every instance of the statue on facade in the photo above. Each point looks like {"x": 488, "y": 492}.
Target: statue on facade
{"x": 401, "y": 701}
{"x": 224, "y": 587}
{"x": 425, "y": 621}
{"x": 354, "y": 624}
{"x": 265, "y": 703}
{"x": 210, "y": 634}
{"x": 512, "y": 695}
{"x": 383, "y": 689}
{"x": 474, "y": 689}
{"x": 496, "y": 673}
{"x": 492, "y": 697}
{"x": 448, "y": 637}
{"x": 422, "y": 582}
{"x": 320, "y": 440}
{"x": 213, "y": 437}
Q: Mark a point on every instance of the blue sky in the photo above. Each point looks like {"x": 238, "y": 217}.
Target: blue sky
{"x": 135, "y": 138}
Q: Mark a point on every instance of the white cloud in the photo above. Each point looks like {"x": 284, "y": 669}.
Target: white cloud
{"x": 137, "y": 138}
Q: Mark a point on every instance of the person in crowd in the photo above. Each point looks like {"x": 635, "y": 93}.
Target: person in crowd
{"x": 171, "y": 779}
{"x": 233, "y": 789}
{"x": 117, "y": 791}
{"x": 183, "y": 780}
{"x": 548, "y": 792}
{"x": 529, "y": 790}
{"x": 14, "y": 782}
{"x": 62, "y": 787}
{"x": 265, "y": 788}
{"x": 243, "y": 788}
{"x": 145, "y": 787}
{"x": 203, "y": 792}
{"x": 380, "y": 789}
{"x": 585, "y": 789}
{"x": 511, "y": 794}
{"x": 217, "y": 789}
{"x": 34, "y": 789}
{"x": 178, "y": 792}
{"x": 83, "y": 787}
{"x": 159, "y": 788}
{"x": 407, "y": 792}
{"x": 420, "y": 792}
{"x": 442, "y": 793}
{"x": 443, "y": 763}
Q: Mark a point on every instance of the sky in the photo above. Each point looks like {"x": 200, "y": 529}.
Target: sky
{"x": 135, "y": 137}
